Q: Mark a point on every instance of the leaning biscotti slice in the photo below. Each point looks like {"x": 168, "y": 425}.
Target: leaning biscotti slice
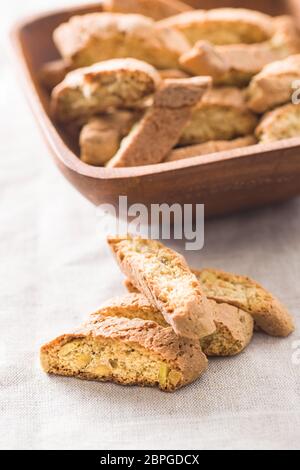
{"x": 268, "y": 313}
{"x": 156, "y": 9}
{"x": 127, "y": 352}
{"x": 236, "y": 64}
{"x": 91, "y": 38}
{"x": 222, "y": 25}
{"x": 246, "y": 294}
{"x": 222, "y": 114}
{"x": 234, "y": 327}
{"x": 163, "y": 276}
{"x": 273, "y": 86}
{"x": 281, "y": 123}
{"x": 113, "y": 84}
{"x": 211, "y": 146}
{"x": 160, "y": 129}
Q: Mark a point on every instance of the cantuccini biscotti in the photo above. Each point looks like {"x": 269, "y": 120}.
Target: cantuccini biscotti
{"x": 156, "y": 9}
{"x": 268, "y": 313}
{"x": 159, "y": 130}
{"x": 211, "y": 146}
{"x": 112, "y": 84}
{"x": 100, "y": 138}
{"x": 222, "y": 114}
{"x": 163, "y": 276}
{"x": 91, "y": 38}
{"x": 125, "y": 351}
{"x": 234, "y": 327}
{"x": 236, "y": 64}
{"x": 273, "y": 85}
{"x": 222, "y": 25}
{"x": 281, "y": 123}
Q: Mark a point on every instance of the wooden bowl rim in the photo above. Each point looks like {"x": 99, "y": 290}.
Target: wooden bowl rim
{"x": 71, "y": 160}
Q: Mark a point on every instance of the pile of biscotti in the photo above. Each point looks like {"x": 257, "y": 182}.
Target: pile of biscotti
{"x": 161, "y": 333}
{"x": 150, "y": 81}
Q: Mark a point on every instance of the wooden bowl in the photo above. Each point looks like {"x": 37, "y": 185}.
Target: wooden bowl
{"x": 225, "y": 182}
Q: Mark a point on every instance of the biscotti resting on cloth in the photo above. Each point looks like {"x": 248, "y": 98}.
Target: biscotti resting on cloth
{"x": 243, "y": 292}
{"x": 127, "y": 352}
{"x": 164, "y": 278}
{"x": 234, "y": 327}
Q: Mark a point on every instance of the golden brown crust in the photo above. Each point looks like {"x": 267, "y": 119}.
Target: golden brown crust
{"x": 281, "y": 123}
{"x": 163, "y": 276}
{"x": 100, "y": 138}
{"x": 222, "y": 114}
{"x": 223, "y": 25}
{"x": 159, "y": 130}
{"x": 273, "y": 85}
{"x": 181, "y": 357}
{"x": 211, "y": 146}
{"x": 234, "y": 327}
{"x": 236, "y": 64}
{"x": 117, "y": 83}
{"x": 243, "y": 292}
{"x": 95, "y": 37}
{"x": 156, "y": 9}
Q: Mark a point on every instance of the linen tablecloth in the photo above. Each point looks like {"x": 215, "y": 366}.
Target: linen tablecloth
{"x": 55, "y": 268}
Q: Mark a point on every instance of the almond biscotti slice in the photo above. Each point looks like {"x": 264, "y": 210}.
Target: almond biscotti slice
{"x": 159, "y": 130}
{"x": 222, "y": 25}
{"x": 222, "y": 114}
{"x": 273, "y": 86}
{"x": 211, "y": 146}
{"x": 87, "y": 39}
{"x": 268, "y": 313}
{"x": 234, "y": 327}
{"x": 125, "y": 351}
{"x": 281, "y": 123}
{"x": 246, "y": 294}
{"x": 113, "y": 84}
{"x": 236, "y": 64}
{"x": 156, "y": 9}
{"x": 163, "y": 276}
{"x": 100, "y": 138}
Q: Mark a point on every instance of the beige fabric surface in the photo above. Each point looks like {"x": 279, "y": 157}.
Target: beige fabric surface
{"x": 55, "y": 268}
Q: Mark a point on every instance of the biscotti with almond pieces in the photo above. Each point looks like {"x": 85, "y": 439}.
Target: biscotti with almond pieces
{"x": 234, "y": 327}
{"x": 273, "y": 86}
{"x": 164, "y": 278}
{"x": 113, "y": 84}
{"x": 159, "y": 130}
{"x": 246, "y": 294}
{"x": 222, "y": 25}
{"x": 280, "y": 123}
{"x": 222, "y": 114}
{"x": 129, "y": 352}
{"x": 94, "y": 37}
